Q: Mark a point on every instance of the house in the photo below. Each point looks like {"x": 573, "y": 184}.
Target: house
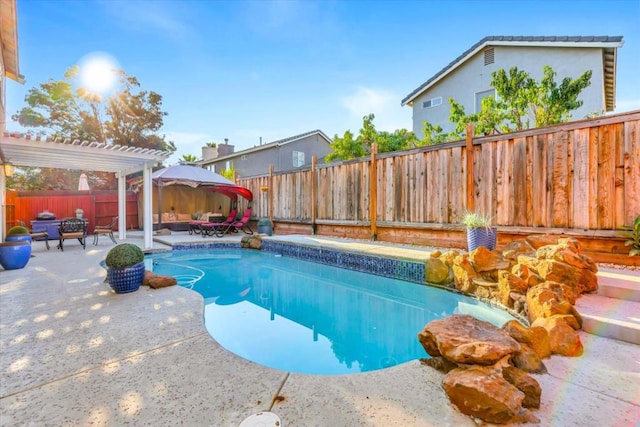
{"x": 467, "y": 78}
{"x": 8, "y": 53}
{"x": 284, "y": 154}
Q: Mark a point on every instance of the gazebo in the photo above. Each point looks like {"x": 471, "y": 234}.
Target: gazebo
{"x": 23, "y": 150}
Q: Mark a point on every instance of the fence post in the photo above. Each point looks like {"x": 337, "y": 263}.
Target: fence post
{"x": 373, "y": 186}
{"x": 314, "y": 194}
{"x": 271, "y": 193}
{"x": 470, "y": 190}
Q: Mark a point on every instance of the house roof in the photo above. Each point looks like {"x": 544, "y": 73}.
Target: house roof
{"x": 9, "y": 39}
{"x": 272, "y": 144}
{"x": 23, "y": 150}
{"x": 609, "y": 44}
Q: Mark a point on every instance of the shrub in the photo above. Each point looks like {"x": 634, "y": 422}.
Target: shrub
{"x": 124, "y": 255}
{"x": 633, "y": 234}
{"x": 476, "y": 220}
{"x": 18, "y": 229}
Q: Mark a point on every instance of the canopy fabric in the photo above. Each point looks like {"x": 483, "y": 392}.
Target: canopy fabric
{"x": 195, "y": 176}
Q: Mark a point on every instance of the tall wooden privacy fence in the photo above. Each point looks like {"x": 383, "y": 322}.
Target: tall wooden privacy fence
{"x": 581, "y": 177}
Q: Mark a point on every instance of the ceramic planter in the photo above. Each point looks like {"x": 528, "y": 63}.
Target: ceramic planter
{"x": 127, "y": 279}
{"x": 15, "y": 254}
{"x": 481, "y": 237}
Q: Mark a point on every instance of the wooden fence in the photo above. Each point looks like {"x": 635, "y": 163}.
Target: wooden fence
{"x": 580, "y": 178}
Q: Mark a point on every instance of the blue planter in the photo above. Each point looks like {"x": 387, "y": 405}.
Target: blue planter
{"x": 481, "y": 237}
{"x": 19, "y": 238}
{"x": 265, "y": 229}
{"x": 125, "y": 280}
{"x": 15, "y": 254}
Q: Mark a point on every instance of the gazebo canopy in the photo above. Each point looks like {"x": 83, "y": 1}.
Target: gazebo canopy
{"x": 195, "y": 176}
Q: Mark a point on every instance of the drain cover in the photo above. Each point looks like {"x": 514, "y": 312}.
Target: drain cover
{"x": 262, "y": 419}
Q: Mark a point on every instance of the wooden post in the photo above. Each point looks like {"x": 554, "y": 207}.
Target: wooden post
{"x": 271, "y": 193}
{"x": 373, "y": 188}
{"x": 314, "y": 193}
{"x": 470, "y": 189}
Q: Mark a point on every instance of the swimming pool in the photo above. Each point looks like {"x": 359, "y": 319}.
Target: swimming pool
{"x": 305, "y": 317}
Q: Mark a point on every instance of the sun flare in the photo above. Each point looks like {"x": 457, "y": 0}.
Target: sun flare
{"x": 98, "y": 72}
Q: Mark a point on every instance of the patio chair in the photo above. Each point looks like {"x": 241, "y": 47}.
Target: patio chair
{"x": 105, "y": 229}
{"x": 37, "y": 234}
{"x": 210, "y": 228}
{"x": 242, "y": 224}
{"x": 72, "y": 228}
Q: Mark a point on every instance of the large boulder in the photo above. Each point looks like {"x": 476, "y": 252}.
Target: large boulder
{"x": 483, "y": 393}
{"x": 517, "y": 247}
{"x": 436, "y": 271}
{"x": 464, "y": 273}
{"x": 548, "y": 299}
{"x": 507, "y": 284}
{"x": 484, "y": 259}
{"x": 251, "y": 242}
{"x": 156, "y": 281}
{"x": 464, "y": 339}
{"x": 537, "y": 337}
{"x": 526, "y": 384}
{"x": 563, "y": 338}
{"x": 580, "y": 279}
{"x": 528, "y": 360}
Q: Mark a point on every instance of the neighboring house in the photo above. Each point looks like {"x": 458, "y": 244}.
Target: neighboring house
{"x": 468, "y": 78}
{"x": 284, "y": 154}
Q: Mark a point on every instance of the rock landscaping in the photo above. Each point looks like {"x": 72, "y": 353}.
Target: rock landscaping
{"x": 487, "y": 368}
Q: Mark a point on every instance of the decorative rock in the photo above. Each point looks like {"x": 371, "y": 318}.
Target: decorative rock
{"x": 483, "y": 393}
{"x": 546, "y": 300}
{"x": 527, "y": 275}
{"x": 561, "y": 252}
{"x": 563, "y": 339}
{"x": 251, "y": 242}
{"x": 485, "y": 288}
{"x": 517, "y": 247}
{"x": 526, "y": 384}
{"x": 465, "y": 339}
{"x": 536, "y": 337}
{"x": 581, "y": 280}
{"x": 508, "y": 283}
{"x": 435, "y": 254}
{"x": 439, "y": 364}
{"x": 528, "y": 360}
{"x": 483, "y": 259}
{"x": 540, "y": 240}
{"x": 448, "y": 257}
{"x": 464, "y": 274}
{"x": 435, "y": 271}
{"x": 156, "y": 281}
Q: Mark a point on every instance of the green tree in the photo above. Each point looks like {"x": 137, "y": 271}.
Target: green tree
{"x": 62, "y": 108}
{"x": 229, "y": 173}
{"x": 189, "y": 158}
{"x": 521, "y": 103}
{"x": 345, "y": 148}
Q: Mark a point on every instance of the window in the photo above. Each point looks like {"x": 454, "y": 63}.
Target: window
{"x": 243, "y": 157}
{"x": 433, "y": 102}
{"x": 298, "y": 159}
{"x": 482, "y": 95}
{"x": 228, "y": 165}
{"x": 488, "y": 56}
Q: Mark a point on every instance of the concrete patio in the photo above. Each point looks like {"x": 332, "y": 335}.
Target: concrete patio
{"x": 72, "y": 352}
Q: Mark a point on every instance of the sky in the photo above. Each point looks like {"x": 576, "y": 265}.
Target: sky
{"x": 246, "y": 70}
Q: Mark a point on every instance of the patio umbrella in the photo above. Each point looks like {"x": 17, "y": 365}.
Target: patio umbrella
{"x": 195, "y": 176}
{"x": 83, "y": 183}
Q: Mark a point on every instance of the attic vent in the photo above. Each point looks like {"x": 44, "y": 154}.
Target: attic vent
{"x": 488, "y": 56}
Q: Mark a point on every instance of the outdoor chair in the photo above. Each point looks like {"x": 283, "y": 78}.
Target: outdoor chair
{"x": 105, "y": 229}
{"x": 72, "y": 228}
{"x": 37, "y": 234}
{"x": 242, "y": 224}
{"x": 210, "y": 228}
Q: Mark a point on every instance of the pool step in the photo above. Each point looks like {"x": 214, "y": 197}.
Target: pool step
{"x": 614, "y": 311}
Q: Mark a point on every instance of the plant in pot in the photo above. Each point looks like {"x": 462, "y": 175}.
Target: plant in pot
{"x": 18, "y": 233}
{"x": 79, "y": 213}
{"x": 125, "y": 268}
{"x": 265, "y": 226}
{"x": 16, "y": 251}
{"x": 480, "y": 232}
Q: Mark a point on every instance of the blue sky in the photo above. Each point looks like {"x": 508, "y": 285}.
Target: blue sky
{"x": 273, "y": 69}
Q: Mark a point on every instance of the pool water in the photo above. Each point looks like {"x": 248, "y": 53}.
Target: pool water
{"x": 305, "y": 317}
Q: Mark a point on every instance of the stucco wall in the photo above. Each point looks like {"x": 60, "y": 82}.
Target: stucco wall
{"x": 473, "y": 76}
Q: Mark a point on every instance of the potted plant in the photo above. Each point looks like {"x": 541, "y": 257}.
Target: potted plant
{"x": 125, "y": 268}
{"x": 79, "y": 213}
{"x": 265, "y": 226}
{"x": 15, "y": 254}
{"x": 480, "y": 232}
{"x": 633, "y": 234}
{"x": 18, "y": 233}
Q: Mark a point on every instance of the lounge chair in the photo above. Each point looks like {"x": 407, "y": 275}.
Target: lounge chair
{"x": 72, "y": 228}
{"x": 37, "y": 234}
{"x": 242, "y": 224}
{"x": 105, "y": 229}
{"x": 210, "y": 228}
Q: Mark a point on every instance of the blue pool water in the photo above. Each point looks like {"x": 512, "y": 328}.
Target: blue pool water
{"x": 311, "y": 318}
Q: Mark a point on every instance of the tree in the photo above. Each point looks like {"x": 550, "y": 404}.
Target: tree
{"x": 521, "y": 102}
{"x": 345, "y": 148}
{"x": 130, "y": 116}
{"x": 229, "y": 173}
{"x": 189, "y": 158}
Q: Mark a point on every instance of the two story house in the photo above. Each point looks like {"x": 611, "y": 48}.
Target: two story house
{"x": 284, "y": 154}
{"x": 467, "y": 78}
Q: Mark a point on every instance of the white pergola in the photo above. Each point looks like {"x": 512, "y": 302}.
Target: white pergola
{"x": 23, "y": 150}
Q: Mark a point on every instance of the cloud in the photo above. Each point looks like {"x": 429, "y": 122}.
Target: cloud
{"x": 384, "y": 104}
